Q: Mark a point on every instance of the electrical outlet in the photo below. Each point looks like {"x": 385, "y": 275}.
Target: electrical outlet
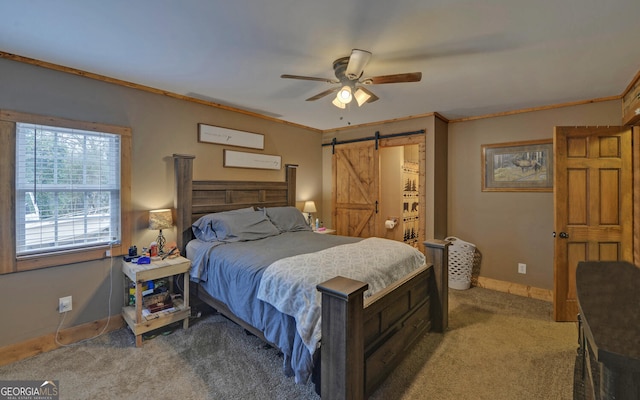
{"x": 108, "y": 253}
{"x": 522, "y": 268}
{"x": 64, "y": 304}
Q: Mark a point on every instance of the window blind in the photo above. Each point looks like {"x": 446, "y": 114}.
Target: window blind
{"x": 67, "y": 188}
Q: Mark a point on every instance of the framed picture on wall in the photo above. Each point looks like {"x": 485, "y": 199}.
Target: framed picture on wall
{"x": 229, "y": 137}
{"x": 518, "y": 166}
{"x": 241, "y": 159}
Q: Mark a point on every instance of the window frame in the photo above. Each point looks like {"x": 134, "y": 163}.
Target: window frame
{"x": 9, "y": 262}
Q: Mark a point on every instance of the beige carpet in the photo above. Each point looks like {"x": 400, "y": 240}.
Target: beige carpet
{"x": 498, "y": 346}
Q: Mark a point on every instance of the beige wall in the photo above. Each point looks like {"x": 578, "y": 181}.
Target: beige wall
{"x": 391, "y": 161}
{"x": 510, "y": 227}
{"x": 161, "y": 126}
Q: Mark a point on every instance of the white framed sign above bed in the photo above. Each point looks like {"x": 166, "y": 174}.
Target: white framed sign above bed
{"x": 230, "y": 137}
{"x": 242, "y": 159}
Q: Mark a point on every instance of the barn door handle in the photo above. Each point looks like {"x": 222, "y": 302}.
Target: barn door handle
{"x": 376, "y": 206}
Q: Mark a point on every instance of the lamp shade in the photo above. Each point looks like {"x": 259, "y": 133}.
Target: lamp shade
{"x": 309, "y": 207}
{"x": 336, "y": 102}
{"x": 160, "y": 219}
{"x": 361, "y": 96}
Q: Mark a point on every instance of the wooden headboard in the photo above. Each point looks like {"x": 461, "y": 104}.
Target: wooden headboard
{"x": 193, "y": 199}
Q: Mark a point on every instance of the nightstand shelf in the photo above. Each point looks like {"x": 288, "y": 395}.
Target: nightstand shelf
{"x": 326, "y": 231}
{"x": 140, "y": 322}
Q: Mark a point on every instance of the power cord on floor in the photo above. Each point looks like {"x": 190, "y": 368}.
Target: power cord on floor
{"x": 106, "y": 325}
{"x": 176, "y": 278}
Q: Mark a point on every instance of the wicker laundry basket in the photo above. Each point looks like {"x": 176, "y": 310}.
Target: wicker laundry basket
{"x": 461, "y": 255}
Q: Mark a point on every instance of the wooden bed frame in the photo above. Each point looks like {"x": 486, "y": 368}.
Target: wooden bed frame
{"x": 362, "y": 340}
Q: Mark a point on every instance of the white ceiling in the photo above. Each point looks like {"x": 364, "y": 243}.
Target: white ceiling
{"x": 476, "y": 57}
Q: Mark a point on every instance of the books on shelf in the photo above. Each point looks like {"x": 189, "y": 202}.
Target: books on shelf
{"x": 156, "y": 311}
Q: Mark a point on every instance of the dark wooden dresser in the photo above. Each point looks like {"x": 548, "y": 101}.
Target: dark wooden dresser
{"x": 608, "y": 359}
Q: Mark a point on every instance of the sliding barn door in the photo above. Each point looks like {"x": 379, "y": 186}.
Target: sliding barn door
{"x": 356, "y": 189}
{"x": 593, "y": 205}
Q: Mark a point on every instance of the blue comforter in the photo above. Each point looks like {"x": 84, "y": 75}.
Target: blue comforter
{"x": 231, "y": 273}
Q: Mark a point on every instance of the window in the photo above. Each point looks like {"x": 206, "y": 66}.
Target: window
{"x": 65, "y": 190}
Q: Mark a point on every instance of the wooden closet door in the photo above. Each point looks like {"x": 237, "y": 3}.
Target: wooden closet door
{"x": 593, "y": 205}
{"x": 356, "y": 189}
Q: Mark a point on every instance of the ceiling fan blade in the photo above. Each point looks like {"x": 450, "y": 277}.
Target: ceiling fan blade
{"x": 397, "y": 78}
{"x": 321, "y": 95}
{"x": 357, "y": 61}
{"x": 371, "y": 99}
{"x": 309, "y": 78}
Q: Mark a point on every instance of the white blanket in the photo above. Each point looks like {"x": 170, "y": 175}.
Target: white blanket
{"x": 290, "y": 284}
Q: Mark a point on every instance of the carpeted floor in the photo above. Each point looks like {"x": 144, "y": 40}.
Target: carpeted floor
{"x": 498, "y": 346}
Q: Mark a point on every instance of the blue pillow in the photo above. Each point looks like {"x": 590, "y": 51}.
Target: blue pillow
{"x": 243, "y": 227}
{"x": 287, "y": 219}
{"x": 202, "y": 228}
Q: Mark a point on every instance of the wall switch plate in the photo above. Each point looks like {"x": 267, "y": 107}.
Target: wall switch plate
{"x": 522, "y": 268}
{"x": 64, "y": 304}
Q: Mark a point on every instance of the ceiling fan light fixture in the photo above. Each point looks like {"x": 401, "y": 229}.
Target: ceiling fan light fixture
{"x": 336, "y": 102}
{"x": 361, "y": 96}
{"x": 349, "y": 82}
{"x": 344, "y": 95}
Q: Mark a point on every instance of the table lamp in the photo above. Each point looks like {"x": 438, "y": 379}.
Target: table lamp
{"x": 159, "y": 220}
{"x": 309, "y": 207}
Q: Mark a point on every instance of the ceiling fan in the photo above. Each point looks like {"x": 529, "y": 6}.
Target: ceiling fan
{"x": 348, "y": 71}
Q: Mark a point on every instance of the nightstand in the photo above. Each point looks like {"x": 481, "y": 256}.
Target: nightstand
{"x": 327, "y": 231}
{"x": 141, "y": 322}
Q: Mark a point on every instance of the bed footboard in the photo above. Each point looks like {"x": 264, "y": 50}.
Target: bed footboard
{"x": 363, "y": 341}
